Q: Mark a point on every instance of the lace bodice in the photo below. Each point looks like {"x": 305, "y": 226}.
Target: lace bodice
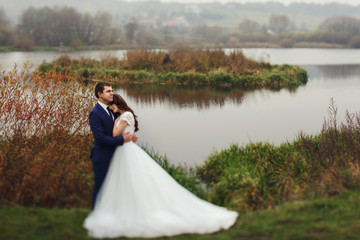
{"x": 129, "y": 118}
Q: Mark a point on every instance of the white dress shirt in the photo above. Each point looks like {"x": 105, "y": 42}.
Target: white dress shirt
{"x": 104, "y": 106}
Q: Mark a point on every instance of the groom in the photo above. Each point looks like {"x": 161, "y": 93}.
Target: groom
{"x": 101, "y": 121}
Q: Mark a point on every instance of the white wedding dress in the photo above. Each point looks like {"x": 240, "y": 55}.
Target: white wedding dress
{"x": 140, "y": 199}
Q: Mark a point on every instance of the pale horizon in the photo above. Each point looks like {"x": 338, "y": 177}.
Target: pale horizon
{"x": 286, "y": 2}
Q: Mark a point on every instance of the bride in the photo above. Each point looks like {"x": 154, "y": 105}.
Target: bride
{"x": 140, "y": 199}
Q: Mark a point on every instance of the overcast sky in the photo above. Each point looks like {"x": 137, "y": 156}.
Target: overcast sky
{"x": 352, "y": 2}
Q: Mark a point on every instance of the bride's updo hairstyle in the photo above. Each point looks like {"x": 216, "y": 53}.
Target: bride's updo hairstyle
{"x": 121, "y": 104}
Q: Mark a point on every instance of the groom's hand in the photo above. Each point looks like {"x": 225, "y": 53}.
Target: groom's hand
{"x": 127, "y": 137}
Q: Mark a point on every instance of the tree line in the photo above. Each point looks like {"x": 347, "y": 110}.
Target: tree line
{"x": 54, "y": 27}
{"x": 66, "y": 27}
{"x": 59, "y": 27}
{"x": 341, "y": 30}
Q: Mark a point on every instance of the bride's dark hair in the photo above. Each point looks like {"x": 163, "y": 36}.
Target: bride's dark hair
{"x": 121, "y": 104}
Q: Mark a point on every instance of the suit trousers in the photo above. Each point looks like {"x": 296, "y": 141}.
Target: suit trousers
{"x": 100, "y": 169}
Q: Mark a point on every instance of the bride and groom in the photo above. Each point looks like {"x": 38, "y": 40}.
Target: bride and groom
{"x": 133, "y": 196}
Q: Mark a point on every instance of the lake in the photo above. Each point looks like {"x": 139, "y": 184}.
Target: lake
{"x": 189, "y": 123}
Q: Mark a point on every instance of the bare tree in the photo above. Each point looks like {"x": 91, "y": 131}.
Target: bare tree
{"x": 6, "y": 32}
{"x": 348, "y": 26}
{"x": 249, "y": 26}
{"x": 101, "y": 28}
{"x": 50, "y": 27}
{"x": 65, "y": 26}
{"x": 207, "y": 32}
{"x": 131, "y": 28}
{"x": 279, "y": 23}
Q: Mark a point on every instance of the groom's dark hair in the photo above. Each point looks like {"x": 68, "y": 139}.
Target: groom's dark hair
{"x": 100, "y": 87}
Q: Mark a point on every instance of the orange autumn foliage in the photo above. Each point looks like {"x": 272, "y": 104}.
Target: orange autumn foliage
{"x": 45, "y": 139}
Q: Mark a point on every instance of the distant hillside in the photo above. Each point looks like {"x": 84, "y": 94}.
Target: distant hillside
{"x": 305, "y": 16}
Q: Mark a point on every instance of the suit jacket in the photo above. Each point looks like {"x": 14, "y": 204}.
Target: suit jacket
{"x": 101, "y": 126}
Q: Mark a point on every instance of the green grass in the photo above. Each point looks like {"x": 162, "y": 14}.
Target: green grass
{"x": 336, "y": 217}
{"x": 262, "y": 175}
{"x": 7, "y": 49}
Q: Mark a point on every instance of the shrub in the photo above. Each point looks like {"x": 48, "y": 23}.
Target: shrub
{"x": 196, "y": 78}
{"x": 301, "y": 75}
{"x": 248, "y": 81}
{"x": 275, "y": 79}
{"x": 144, "y": 76}
{"x": 355, "y": 42}
{"x": 45, "y": 67}
{"x": 261, "y": 175}
{"x": 112, "y": 73}
{"x": 287, "y": 43}
{"x": 64, "y": 61}
{"x": 25, "y": 43}
{"x": 220, "y": 78}
{"x": 44, "y": 140}
{"x": 76, "y": 44}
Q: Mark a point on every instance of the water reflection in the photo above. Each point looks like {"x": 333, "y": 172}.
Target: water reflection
{"x": 198, "y": 97}
{"x": 333, "y": 71}
{"x": 183, "y": 96}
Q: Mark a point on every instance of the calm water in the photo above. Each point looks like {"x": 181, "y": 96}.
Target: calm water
{"x": 188, "y": 124}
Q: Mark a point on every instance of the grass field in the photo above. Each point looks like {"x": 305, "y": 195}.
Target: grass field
{"x": 336, "y": 217}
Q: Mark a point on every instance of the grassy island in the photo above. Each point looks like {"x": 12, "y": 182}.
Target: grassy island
{"x": 182, "y": 66}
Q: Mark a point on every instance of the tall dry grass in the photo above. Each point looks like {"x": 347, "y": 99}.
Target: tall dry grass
{"x": 45, "y": 139}
{"x": 336, "y": 150}
{"x": 179, "y": 60}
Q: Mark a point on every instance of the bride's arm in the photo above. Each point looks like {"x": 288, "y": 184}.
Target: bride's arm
{"x": 119, "y": 127}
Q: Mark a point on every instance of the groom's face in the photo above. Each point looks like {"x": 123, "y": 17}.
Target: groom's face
{"x": 107, "y": 95}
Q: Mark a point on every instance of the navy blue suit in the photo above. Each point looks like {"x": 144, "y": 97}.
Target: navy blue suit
{"x": 101, "y": 125}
